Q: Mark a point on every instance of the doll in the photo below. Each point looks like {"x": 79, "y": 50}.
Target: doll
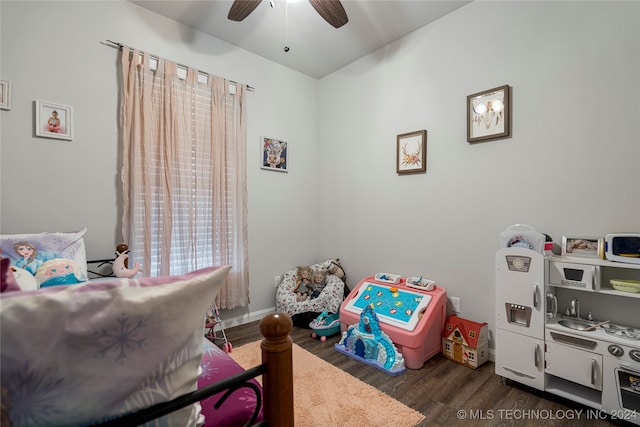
{"x": 303, "y": 283}
{"x": 318, "y": 283}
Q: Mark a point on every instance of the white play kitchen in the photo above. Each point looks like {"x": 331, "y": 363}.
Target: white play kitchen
{"x": 570, "y": 325}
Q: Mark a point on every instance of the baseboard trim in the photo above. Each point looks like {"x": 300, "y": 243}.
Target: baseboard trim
{"x": 246, "y": 318}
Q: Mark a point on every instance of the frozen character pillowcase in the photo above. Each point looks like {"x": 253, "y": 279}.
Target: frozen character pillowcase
{"x": 50, "y": 258}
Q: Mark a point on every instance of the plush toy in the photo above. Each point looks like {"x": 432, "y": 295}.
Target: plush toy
{"x": 25, "y": 280}
{"x": 121, "y": 262}
{"x": 319, "y": 280}
{"x": 121, "y": 248}
{"x": 303, "y": 283}
{"x": 58, "y": 271}
{"x": 336, "y": 270}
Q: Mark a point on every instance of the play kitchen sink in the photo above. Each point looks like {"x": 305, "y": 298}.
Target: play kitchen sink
{"x": 578, "y": 325}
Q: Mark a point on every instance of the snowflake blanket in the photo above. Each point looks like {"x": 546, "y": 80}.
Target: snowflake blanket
{"x": 81, "y": 354}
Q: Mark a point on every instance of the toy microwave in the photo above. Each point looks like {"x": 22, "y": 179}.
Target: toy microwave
{"x": 573, "y": 275}
{"x": 622, "y": 247}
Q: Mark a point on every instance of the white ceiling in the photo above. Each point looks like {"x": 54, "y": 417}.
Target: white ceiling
{"x": 315, "y": 47}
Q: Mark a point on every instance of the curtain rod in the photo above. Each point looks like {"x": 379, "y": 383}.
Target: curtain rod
{"x": 120, "y": 46}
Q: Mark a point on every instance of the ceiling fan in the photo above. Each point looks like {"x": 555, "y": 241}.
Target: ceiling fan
{"x": 331, "y": 10}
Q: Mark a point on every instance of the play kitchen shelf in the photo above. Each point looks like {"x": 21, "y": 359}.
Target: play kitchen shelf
{"x": 560, "y": 328}
{"x": 593, "y": 275}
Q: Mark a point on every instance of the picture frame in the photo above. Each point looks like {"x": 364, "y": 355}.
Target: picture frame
{"x": 53, "y": 120}
{"x": 489, "y": 114}
{"x": 582, "y": 246}
{"x": 275, "y": 154}
{"x": 5, "y": 94}
{"x": 411, "y": 152}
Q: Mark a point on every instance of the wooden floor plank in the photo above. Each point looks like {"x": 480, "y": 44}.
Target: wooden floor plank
{"x": 447, "y": 393}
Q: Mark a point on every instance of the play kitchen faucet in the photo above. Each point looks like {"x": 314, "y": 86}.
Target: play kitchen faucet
{"x": 575, "y": 307}
{"x": 574, "y": 310}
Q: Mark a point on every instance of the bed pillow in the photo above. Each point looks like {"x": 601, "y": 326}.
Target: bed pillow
{"x": 78, "y": 355}
{"x": 32, "y": 251}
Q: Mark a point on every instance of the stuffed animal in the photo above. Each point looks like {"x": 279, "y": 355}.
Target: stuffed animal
{"x": 121, "y": 248}
{"x": 120, "y": 263}
{"x": 58, "y": 271}
{"x": 319, "y": 280}
{"x": 337, "y": 270}
{"x": 24, "y": 279}
{"x": 303, "y": 283}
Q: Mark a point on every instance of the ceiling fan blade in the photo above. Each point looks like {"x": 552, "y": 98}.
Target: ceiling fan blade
{"x": 332, "y": 11}
{"x": 240, "y": 9}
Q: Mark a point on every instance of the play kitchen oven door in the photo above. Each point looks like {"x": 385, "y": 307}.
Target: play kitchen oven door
{"x": 628, "y": 387}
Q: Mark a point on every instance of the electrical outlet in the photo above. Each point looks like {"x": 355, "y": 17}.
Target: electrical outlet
{"x": 455, "y": 301}
{"x": 276, "y": 281}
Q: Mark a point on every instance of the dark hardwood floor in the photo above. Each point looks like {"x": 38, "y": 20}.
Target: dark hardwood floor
{"x": 447, "y": 393}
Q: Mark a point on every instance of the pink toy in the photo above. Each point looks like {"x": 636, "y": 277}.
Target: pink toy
{"x": 120, "y": 263}
{"x": 412, "y": 318}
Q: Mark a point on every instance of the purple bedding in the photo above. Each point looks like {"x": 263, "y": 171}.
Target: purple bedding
{"x": 238, "y": 408}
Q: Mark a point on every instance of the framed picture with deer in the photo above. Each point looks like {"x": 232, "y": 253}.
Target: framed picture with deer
{"x": 275, "y": 154}
{"x": 411, "y": 152}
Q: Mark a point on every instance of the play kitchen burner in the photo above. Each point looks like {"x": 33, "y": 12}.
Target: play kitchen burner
{"x": 623, "y": 332}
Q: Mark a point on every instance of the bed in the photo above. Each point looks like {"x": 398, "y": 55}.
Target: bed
{"x": 132, "y": 352}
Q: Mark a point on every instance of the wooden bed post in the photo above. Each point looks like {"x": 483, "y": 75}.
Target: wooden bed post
{"x": 277, "y": 384}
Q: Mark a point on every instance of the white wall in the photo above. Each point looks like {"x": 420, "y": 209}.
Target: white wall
{"x": 51, "y": 51}
{"x": 571, "y": 167}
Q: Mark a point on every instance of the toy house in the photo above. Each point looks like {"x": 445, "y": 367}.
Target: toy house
{"x": 465, "y": 341}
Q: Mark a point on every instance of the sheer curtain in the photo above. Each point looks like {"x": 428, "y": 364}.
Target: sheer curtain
{"x": 184, "y": 172}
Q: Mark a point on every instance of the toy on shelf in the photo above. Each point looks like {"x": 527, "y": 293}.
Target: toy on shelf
{"x": 388, "y": 278}
{"x": 325, "y": 325}
{"x": 420, "y": 283}
{"x": 367, "y": 343}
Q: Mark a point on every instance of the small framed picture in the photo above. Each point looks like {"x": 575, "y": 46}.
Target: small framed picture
{"x": 489, "y": 115}
{"x": 5, "y": 94}
{"x": 275, "y": 155}
{"x": 411, "y": 152}
{"x": 591, "y": 247}
{"x": 54, "y": 120}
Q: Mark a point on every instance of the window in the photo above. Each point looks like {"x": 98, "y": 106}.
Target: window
{"x": 184, "y": 172}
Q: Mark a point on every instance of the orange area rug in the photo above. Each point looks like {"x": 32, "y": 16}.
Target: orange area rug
{"x": 325, "y": 395}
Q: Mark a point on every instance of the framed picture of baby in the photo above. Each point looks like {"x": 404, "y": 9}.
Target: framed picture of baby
{"x": 53, "y": 120}
{"x": 274, "y": 154}
{"x": 591, "y": 247}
